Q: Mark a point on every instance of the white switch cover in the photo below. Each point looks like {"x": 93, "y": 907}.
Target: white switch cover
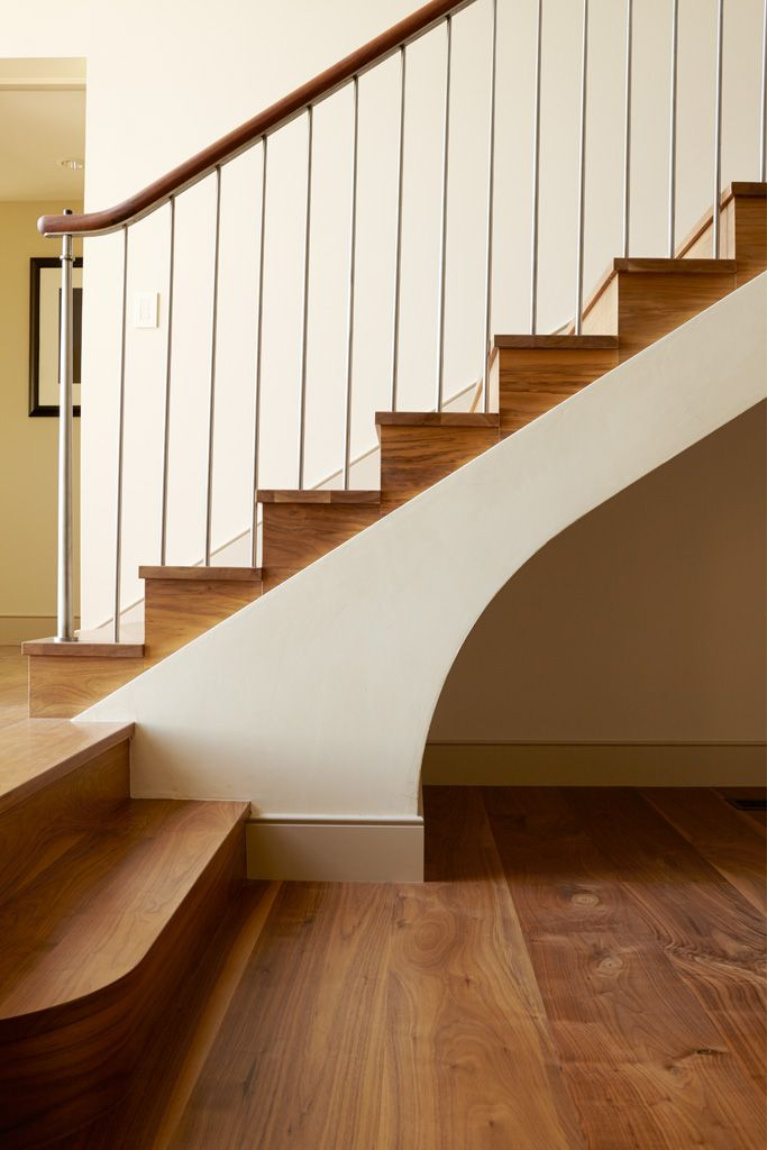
{"x": 145, "y": 308}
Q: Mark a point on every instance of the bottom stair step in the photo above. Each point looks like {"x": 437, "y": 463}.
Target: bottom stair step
{"x": 94, "y": 947}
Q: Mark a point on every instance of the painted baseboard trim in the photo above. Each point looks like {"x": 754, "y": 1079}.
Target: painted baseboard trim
{"x": 595, "y": 764}
{"x": 18, "y": 628}
{"x": 335, "y": 849}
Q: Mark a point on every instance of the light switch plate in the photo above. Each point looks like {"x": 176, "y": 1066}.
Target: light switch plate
{"x": 146, "y": 308}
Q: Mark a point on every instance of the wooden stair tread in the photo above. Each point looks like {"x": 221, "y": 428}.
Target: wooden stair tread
{"x": 36, "y": 752}
{"x": 91, "y": 918}
{"x": 675, "y": 266}
{"x": 437, "y": 419}
{"x": 557, "y": 342}
{"x": 285, "y": 495}
{"x": 206, "y": 574}
{"x": 83, "y": 649}
{"x": 745, "y": 188}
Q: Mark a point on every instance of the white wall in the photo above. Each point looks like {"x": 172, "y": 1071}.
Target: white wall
{"x": 165, "y": 80}
{"x": 316, "y": 700}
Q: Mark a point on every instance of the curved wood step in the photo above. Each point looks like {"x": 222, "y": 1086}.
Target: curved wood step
{"x": 92, "y": 948}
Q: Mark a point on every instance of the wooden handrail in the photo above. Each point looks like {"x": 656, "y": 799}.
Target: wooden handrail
{"x": 249, "y": 133}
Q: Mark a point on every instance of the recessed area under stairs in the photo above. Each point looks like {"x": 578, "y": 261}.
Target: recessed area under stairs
{"x": 583, "y": 968}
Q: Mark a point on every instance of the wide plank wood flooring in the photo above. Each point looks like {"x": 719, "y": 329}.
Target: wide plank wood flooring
{"x": 583, "y": 968}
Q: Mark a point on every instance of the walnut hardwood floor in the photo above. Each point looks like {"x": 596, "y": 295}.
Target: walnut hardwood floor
{"x": 582, "y": 969}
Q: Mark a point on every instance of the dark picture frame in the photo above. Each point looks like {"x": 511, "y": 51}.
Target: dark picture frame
{"x": 44, "y": 307}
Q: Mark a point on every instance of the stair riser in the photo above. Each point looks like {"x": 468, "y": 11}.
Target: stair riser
{"x": 178, "y": 610}
{"x": 533, "y": 380}
{"x": 62, "y": 1069}
{"x": 414, "y": 458}
{"x": 649, "y": 306}
{"x": 62, "y": 686}
{"x": 296, "y": 534}
{"x": 66, "y": 806}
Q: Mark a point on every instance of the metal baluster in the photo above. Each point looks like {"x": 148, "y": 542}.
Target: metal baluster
{"x": 398, "y": 226}
{"x": 763, "y": 110}
{"x": 536, "y": 176}
{"x": 672, "y": 130}
{"x": 352, "y": 274}
{"x": 627, "y": 132}
{"x": 65, "y": 622}
{"x": 443, "y": 221}
{"x": 259, "y": 360}
{"x": 168, "y": 362}
{"x": 716, "y": 229}
{"x": 582, "y": 176}
{"x": 305, "y": 303}
{"x": 121, "y": 438}
{"x": 490, "y": 207}
{"x": 213, "y": 359}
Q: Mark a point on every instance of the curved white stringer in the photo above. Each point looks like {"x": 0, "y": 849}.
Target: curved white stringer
{"x": 314, "y": 702}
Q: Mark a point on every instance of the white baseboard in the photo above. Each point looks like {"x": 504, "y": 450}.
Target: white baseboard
{"x": 18, "y": 628}
{"x": 595, "y": 764}
{"x": 327, "y": 850}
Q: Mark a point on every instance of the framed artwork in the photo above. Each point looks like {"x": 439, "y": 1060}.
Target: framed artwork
{"x": 44, "y": 328}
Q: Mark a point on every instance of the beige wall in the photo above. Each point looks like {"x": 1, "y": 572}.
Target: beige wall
{"x": 644, "y": 621}
{"x": 27, "y": 446}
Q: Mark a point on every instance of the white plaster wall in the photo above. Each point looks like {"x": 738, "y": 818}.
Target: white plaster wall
{"x": 317, "y": 699}
{"x": 165, "y": 79}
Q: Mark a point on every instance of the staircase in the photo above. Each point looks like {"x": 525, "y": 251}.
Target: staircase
{"x": 638, "y": 302}
{"x": 106, "y": 901}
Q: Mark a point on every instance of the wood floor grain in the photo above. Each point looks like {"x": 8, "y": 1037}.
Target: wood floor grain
{"x": 468, "y": 1048}
{"x": 717, "y": 832}
{"x": 711, "y": 935}
{"x": 299, "y": 1057}
{"x": 644, "y": 1060}
{"x": 582, "y": 969}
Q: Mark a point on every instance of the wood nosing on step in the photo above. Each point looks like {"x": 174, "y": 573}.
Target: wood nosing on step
{"x": 558, "y": 342}
{"x": 745, "y": 188}
{"x": 675, "y": 266}
{"x": 203, "y": 574}
{"x": 437, "y": 419}
{"x": 279, "y": 495}
{"x": 85, "y": 649}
